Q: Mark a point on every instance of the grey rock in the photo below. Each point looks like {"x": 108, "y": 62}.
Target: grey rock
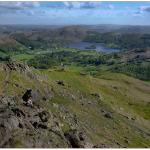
{"x": 43, "y": 116}
{"x": 11, "y": 123}
{"x": 77, "y": 139}
{"x": 7, "y": 100}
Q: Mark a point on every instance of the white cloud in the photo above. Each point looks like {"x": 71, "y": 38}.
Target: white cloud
{"x": 18, "y": 5}
{"x": 145, "y": 8}
{"x": 137, "y": 14}
{"x": 85, "y": 5}
{"x": 111, "y": 6}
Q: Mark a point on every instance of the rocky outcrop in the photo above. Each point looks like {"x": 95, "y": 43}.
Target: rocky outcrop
{"x": 20, "y": 67}
{"x": 78, "y": 139}
{"x": 17, "y": 66}
{"x": 24, "y": 124}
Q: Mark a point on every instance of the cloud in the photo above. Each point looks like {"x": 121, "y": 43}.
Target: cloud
{"x": 145, "y": 8}
{"x": 81, "y": 5}
{"x": 18, "y": 7}
{"x": 111, "y": 7}
{"x": 137, "y": 14}
{"x": 141, "y": 11}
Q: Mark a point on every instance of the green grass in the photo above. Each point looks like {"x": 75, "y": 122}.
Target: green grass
{"x": 23, "y": 57}
{"x": 105, "y": 84}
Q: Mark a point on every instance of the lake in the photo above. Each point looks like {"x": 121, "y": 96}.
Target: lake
{"x": 92, "y": 46}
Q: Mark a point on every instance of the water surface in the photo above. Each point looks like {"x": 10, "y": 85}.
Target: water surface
{"x": 92, "y": 46}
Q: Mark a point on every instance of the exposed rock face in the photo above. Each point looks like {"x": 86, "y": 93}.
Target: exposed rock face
{"x": 22, "y": 126}
{"x": 15, "y": 66}
{"x": 77, "y": 139}
{"x": 11, "y": 123}
{"x": 32, "y": 126}
{"x": 5, "y": 100}
{"x": 21, "y": 68}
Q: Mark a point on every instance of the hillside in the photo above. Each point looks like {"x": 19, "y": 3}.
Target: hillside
{"x": 81, "y": 99}
{"x": 72, "y": 109}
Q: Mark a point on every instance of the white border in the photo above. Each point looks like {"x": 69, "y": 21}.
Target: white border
{"x": 75, "y": 148}
{"x": 79, "y": 0}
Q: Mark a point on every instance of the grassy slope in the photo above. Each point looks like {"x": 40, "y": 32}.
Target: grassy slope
{"x": 121, "y": 95}
{"x": 129, "y": 98}
{"x": 23, "y": 57}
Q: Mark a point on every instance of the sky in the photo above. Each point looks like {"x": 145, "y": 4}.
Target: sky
{"x": 75, "y": 13}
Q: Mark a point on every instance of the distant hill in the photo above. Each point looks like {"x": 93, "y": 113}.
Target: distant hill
{"x": 120, "y": 29}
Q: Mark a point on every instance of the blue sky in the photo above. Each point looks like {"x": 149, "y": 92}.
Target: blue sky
{"x": 71, "y": 13}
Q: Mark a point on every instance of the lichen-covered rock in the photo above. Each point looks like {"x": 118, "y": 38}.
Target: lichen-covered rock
{"x": 7, "y": 100}
{"x": 9, "y": 123}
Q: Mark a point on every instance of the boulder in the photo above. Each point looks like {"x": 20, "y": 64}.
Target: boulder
{"x": 43, "y": 116}
{"x": 77, "y": 139}
{"x": 36, "y": 95}
{"x": 11, "y": 123}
